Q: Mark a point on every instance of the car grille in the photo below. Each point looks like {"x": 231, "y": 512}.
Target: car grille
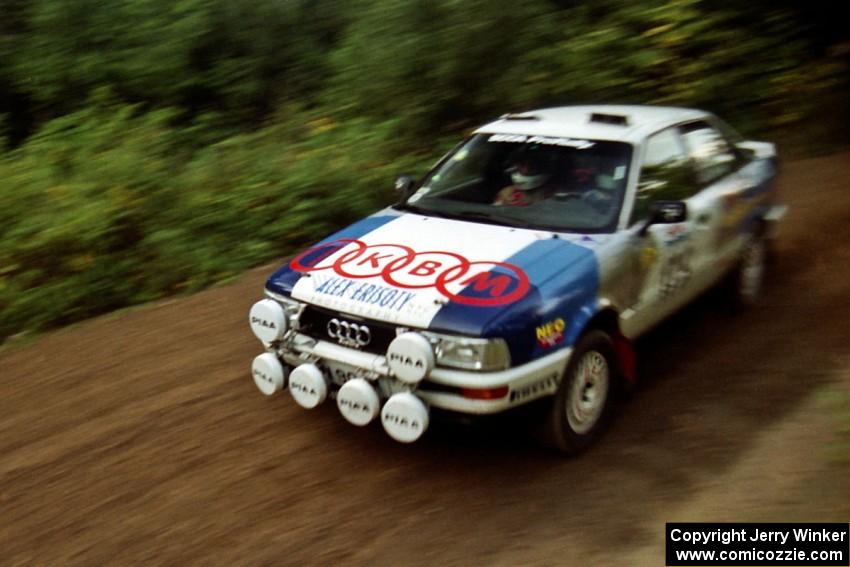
{"x": 314, "y": 323}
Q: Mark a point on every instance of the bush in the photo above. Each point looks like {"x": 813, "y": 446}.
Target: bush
{"x": 103, "y": 208}
{"x": 165, "y": 146}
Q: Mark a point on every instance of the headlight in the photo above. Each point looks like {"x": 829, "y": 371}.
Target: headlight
{"x": 470, "y": 354}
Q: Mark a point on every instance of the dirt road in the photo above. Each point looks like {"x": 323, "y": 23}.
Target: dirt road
{"x": 140, "y": 438}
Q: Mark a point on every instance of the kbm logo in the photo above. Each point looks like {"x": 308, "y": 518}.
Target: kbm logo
{"x": 478, "y": 283}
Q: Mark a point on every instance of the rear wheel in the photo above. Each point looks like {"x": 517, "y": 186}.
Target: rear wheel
{"x": 583, "y": 403}
{"x": 748, "y": 278}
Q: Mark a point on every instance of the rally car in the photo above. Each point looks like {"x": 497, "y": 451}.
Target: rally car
{"x": 522, "y": 266}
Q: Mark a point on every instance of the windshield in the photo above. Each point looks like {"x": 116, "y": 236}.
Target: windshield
{"x": 559, "y": 184}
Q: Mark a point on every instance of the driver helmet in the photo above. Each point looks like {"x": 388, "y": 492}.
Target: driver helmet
{"x": 531, "y": 168}
{"x": 610, "y": 175}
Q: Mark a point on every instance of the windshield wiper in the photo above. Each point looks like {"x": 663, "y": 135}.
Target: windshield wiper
{"x": 422, "y": 211}
{"x": 463, "y": 215}
{"x": 489, "y": 218}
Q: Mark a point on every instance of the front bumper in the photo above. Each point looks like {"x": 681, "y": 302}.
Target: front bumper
{"x": 444, "y": 388}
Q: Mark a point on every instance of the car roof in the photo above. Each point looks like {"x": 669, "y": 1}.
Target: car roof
{"x": 625, "y": 123}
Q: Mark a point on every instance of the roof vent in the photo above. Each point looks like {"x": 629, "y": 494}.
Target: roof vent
{"x": 512, "y": 116}
{"x": 612, "y": 119}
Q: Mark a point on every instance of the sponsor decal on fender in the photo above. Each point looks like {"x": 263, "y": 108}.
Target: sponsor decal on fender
{"x": 476, "y": 283}
{"x": 676, "y": 233}
{"x": 648, "y": 256}
{"x": 551, "y": 333}
{"x": 537, "y": 389}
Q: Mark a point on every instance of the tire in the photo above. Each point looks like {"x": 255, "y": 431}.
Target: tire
{"x": 583, "y": 404}
{"x": 747, "y": 279}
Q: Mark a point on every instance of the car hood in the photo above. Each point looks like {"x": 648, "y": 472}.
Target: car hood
{"x": 450, "y": 276}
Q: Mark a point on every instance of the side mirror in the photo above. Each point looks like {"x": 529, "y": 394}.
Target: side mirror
{"x": 665, "y": 212}
{"x": 748, "y": 153}
{"x": 404, "y": 184}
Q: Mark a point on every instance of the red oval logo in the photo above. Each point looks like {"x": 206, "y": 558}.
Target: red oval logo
{"x": 475, "y": 283}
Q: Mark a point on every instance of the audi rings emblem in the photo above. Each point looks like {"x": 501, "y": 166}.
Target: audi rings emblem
{"x": 349, "y": 334}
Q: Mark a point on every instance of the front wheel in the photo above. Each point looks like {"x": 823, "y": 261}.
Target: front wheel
{"x": 583, "y": 403}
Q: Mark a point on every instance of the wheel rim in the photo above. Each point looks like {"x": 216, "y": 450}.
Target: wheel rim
{"x": 752, "y": 271}
{"x": 588, "y": 392}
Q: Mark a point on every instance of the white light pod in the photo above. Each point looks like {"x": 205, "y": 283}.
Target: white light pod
{"x": 268, "y": 320}
{"x": 410, "y": 357}
{"x": 358, "y": 401}
{"x": 308, "y": 386}
{"x": 269, "y": 374}
{"x": 405, "y": 417}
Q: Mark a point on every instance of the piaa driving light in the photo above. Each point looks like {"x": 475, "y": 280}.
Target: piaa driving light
{"x": 268, "y": 320}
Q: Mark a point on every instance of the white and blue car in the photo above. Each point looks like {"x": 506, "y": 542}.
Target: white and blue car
{"x": 522, "y": 266}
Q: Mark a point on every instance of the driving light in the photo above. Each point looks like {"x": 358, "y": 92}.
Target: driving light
{"x": 268, "y": 320}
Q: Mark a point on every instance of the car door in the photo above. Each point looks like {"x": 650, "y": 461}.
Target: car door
{"x": 662, "y": 255}
{"x": 713, "y": 207}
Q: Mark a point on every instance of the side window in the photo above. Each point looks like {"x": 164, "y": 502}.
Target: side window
{"x": 457, "y": 171}
{"x": 711, "y": 153}
{"x": 665, "y": 174}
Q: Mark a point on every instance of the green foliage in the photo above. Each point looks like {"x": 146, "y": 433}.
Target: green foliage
{"x": 438, "y": 63}
{"x": 445, "y": 64}
{"x": 160, "y": 146}
{"x": 75, "y": 202}
{"x": 101, "y": 208}
{"x": 238, "y": 58}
